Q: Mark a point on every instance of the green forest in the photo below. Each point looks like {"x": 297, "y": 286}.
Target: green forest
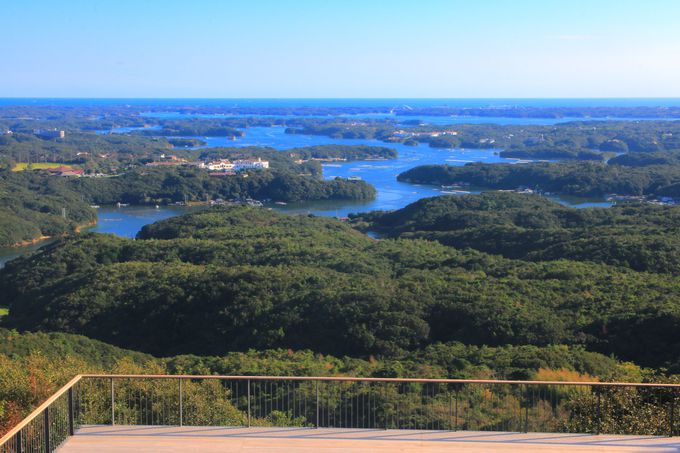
{"x": 33, "y": 206}
{"x": 239, "y": 278}
{"x": 642, "y": 237}
{"x": 567, "y": 178}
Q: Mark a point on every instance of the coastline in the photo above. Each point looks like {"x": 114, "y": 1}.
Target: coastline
{"x": 77, "y": 229}
{"x": 26, "y": 243}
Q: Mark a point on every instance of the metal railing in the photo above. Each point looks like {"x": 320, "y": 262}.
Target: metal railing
{"x": 346, "y": 402}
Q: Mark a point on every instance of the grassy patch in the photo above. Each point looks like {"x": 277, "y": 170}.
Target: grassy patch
{"x": 21, "y": 166}
{"x": 4, "y": 311}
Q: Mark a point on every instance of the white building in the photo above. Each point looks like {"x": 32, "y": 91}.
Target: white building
{"x": 221, "y": 165}
{"x": 251, "y": 164}
{"x": 237, "y": 165}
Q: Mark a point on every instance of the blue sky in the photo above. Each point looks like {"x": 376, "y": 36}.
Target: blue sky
{"x": 340, "y": 48}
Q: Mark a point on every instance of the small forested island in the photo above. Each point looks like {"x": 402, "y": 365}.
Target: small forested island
{"x": 343, "y": 152}
{"x": 178, "y": 142}
{"x": 573, "y": 178}
{"x": 204, "y": 128}
{"x": 165, "y": 186}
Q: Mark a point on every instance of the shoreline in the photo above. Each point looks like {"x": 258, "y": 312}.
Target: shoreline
{"x": 77, "y": 229}
{"x": 29, "y": 242}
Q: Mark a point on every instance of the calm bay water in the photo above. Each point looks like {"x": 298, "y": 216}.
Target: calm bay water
{"x": 126, "y": 221}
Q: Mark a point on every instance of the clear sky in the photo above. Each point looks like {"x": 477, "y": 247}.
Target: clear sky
{"x": 340, "y": 48}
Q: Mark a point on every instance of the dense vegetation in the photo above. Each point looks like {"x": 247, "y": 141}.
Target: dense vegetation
{"x": 575, "y": 178}
{"x": 32, "y": 206}
{"x": 345, "y": 130}
{"x": 642, "y": 237}
{"x": 164, "y": 185}
{"x": 595, "y": 140}
{"x": 342, "y": 152}
{"x": 35, "y": 365}
{"x": 93, "y": 152}
{"x": 242, "y": 278}
{"x": 189, "y": 128}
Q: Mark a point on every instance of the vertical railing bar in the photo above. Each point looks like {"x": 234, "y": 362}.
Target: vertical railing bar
{"x": 450, "y": 411}
{"x": 291, "y": 404}
{"x": 439, "y": 425}
{"x": 113, "y": 405}
{"x": 138, "y": 404}
{"x": 236, "y": 384}
{"x": 46, "y": 429}
{"x": 599, "y": 414}
{"x": 317, "y": 404}
{"x": 248, "y": 403}
{"x": 672, "y": 414}
{"x": 181, "y": 404}
{"x": 455, "y": 409}
{"x": 526, "y": 409}
{"x": 71, "y": 428}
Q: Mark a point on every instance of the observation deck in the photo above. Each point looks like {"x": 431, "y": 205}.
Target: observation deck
{"x": 149, "y": 413}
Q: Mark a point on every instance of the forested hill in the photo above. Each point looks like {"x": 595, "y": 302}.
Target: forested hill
{"x": 152, "y": 186}
{"x": 240, "y": 278}
{"x": 569, "y": 178}
{"x": 642, "y": 237}
{"x": 33, "y": 206}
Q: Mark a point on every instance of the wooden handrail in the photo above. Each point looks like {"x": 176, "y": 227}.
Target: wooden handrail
{"x": 364, "y": 379}
{"x": 38, "y": 411}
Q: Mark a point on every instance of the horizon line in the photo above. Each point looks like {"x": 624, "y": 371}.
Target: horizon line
{"x": 343, "y": 98}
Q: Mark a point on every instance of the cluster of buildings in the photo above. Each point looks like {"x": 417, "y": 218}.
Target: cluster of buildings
{"x": 407, "y": 134}
{"x": 225, "y": 167}
{"x": 236, "y": 165}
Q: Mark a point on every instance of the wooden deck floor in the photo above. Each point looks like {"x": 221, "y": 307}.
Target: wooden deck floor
{"x": 134, "y": 439}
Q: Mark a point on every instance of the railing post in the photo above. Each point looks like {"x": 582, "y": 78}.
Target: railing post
{"x": 317, "y": 403}
{"x": 181, "y": 404}
{"x": 248, "y": 403}
{"x": 113, "y": 404}
{"x": 46, "y": 422}
{"x": 20, "y": 445}
{"x": 71, "y": 427}
{"x": 599, "y": 412}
